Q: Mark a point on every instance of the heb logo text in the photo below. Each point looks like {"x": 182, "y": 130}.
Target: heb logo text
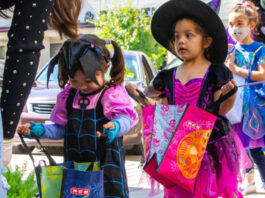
{"x": 80, "y": 191}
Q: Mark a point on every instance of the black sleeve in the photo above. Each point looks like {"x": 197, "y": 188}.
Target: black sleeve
{"x": 25, "y": 42}
{"x": 5, "y": 4}
{"x": 222, "y": 75}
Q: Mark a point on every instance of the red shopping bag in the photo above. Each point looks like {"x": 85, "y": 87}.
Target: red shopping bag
{"x": 179, "y": 138}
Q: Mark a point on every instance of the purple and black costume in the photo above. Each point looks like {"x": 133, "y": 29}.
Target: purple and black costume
{"x": 78, "y": 127}
{"x": 219, "y": 172}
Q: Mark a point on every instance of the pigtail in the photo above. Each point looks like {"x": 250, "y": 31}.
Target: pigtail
{"x": 118, "y": 66}
{"x": 64, "y": 17}
{"x": 63, "y": 73}
{"x": 51, "y": 66}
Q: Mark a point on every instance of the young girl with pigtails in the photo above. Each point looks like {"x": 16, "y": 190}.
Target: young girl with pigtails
{"x": 88, "y": 106}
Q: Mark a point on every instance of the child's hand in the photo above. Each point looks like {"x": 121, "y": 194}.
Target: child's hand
{"x": 233, "y": 68}
{"x": 228, "y": 87}
{"x": 230, "y": 59}
{"x": 132, "y": 89}
{"x": 24, "y": 129}
{"x": 109, "y": 125}
{"x": 111, "y": 129}
{"x": 36, "y": 128}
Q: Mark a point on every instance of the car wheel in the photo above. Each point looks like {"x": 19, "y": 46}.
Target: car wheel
{"x": 135, "y": 150}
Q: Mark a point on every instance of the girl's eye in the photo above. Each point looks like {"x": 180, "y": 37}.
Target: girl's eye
{"x": 188, "y": 35}
{"x": 176, "y": 36}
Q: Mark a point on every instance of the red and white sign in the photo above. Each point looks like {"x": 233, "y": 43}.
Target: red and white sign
{"x": 80, "y": 191}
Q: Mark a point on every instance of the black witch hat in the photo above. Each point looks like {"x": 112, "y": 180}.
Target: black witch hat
{"x": 170, "y": 12}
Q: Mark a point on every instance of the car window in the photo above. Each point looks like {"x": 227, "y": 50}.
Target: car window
{"x": 131, "y": 69}
{"x": 42, "y": 77}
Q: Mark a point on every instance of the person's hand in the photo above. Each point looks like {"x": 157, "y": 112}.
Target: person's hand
{"x": 132, "y": 89}
{"x": 36, "y": 128}
{"x": 24, "y": 129}
{"x": 233, "y": 68}
{"x": 230, "y": 59}
{"x": 111, "y": 129}
{"x": 228, "y": 87}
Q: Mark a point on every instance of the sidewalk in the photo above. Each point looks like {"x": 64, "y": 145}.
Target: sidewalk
{"x": 133, "y": 174}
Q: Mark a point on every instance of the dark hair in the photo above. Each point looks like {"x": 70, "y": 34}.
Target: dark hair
{"x": 246, "y": 9}
{"x": 63, "y": 17}
{"x": 117, "y": 69}
{"x": 199, "y": 29}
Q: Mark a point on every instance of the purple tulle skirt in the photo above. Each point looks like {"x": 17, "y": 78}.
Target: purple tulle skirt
{"x": 247, "y": 141}
{"x": 219, "y": 174}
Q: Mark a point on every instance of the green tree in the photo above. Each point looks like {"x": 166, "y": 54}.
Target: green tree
{"x": 130, "y": 28}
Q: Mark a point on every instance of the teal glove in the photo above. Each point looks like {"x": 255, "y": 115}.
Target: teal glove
{"x": 36, "y": 128}
{"x": 112, "y": 133}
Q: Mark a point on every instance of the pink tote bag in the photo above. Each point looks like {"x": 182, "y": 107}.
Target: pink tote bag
{"x": 176, "y": 152}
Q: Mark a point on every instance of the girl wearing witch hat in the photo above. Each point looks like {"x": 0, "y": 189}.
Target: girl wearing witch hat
{"x": 193, "y": 32}
{"x": 89, "y": 106}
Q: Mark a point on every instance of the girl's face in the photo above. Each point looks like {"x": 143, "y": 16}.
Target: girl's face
{"x": 238, "y": 20}
{"x": 240, "y": 27}
{"x": 189, "y": 42}
{"x": 84, "y": 84}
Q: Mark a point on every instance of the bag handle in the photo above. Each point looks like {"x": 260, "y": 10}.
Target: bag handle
{"x": 27, "y": 149}
{"x": 51, "y": 160}
{"x": 90, "y": 168}
{"x": 222, "y": 97}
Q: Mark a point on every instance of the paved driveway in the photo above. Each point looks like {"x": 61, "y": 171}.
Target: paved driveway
{"x": 134, "y": 174}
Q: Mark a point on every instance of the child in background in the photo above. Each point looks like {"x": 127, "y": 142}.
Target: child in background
{"x": 248, "y": 61}
{"x": 89, "y": 106}
{"x": 192, "y": 31}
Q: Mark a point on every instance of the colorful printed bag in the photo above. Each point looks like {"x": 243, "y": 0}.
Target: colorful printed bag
{"x": 179, "y": 138}
{"x": 68, "y": 179}
{"x": 82, "y": 184}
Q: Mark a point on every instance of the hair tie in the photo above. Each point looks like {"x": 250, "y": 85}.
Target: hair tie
{"x": 107, "y": 41}
{"x": 246, "y": 5}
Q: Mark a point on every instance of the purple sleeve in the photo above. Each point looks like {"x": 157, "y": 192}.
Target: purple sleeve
{"x": 116, "y": 102}
{"x": 125, "y": 124}
{"x": 59, "y": 112}
{"x": 53, "y": 132}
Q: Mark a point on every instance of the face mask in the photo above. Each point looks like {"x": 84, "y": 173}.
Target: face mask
{"x": 239, "y": 34}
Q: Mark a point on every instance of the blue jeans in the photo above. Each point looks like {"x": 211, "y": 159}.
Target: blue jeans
{"x": 3, "y": 184}
{"x": 258, "y": 158}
